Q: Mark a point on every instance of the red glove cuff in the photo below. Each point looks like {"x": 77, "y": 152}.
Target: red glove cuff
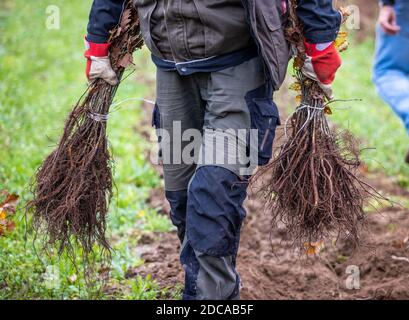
{"x": 325, "y": 62}
{"x": 96, "y": 49}
{"x": 312, "y": 51}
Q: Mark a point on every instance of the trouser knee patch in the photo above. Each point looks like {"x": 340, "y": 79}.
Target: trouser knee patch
{"x": 215, "y": 211}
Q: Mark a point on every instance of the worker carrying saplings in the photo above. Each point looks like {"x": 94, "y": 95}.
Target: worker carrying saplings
{"x": 218, "y": 63}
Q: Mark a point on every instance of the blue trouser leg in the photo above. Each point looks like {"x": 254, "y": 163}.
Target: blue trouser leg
{"x": 393, "y": 87}
{"x": 391, "y": 66}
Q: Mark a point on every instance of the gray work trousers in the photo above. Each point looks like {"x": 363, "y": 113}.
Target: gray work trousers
{"x": 204, "y": 123}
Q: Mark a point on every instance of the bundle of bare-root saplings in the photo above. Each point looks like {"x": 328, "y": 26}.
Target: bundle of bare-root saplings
{"x": 313, "y": 186}
{"x": 73, "y": 187}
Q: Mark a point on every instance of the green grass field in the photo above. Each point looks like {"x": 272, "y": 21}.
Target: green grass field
{"x": 370, "y": 119}
{"x": 41, "y": 76}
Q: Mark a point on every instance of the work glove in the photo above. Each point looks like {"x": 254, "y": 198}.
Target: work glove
{"x": 321, "y": 63}
{"x": 98, "y": 63}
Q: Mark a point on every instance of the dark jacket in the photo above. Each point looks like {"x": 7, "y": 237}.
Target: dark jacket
{"x": 186, "y": 30}
{"x": 320, "y": 20}
{"x": 388, "y": 2}
{"x": 200, "y": 29}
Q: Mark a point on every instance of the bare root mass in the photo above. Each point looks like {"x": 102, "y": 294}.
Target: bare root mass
{"x": 73, "y": 187}
{"x": 312, "y": 185}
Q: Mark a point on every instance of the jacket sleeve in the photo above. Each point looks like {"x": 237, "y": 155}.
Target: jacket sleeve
{"x": 387, "y": 2}
{"x": 104, "y": 16}
{"x": 321, "y": 21}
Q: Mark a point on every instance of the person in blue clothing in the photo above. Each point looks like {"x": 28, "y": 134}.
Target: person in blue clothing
{"x": 218, "y": 63}
{"x": 391, "y": 67}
